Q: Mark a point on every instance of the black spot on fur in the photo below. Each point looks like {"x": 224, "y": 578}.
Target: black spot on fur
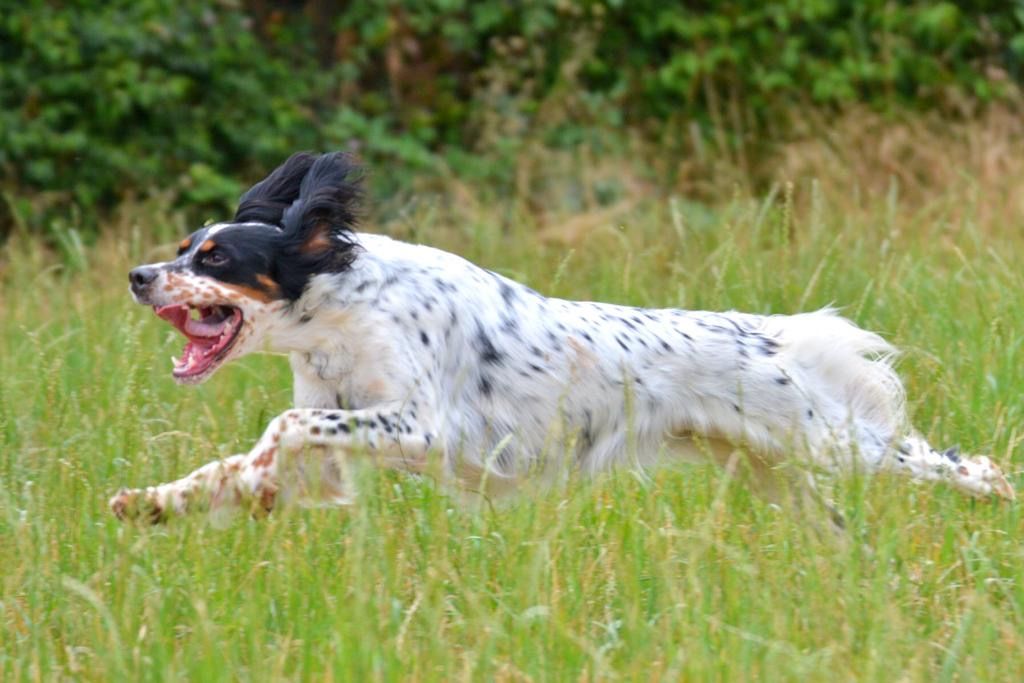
{"x": 485, "y": 385}
{"x": 587, "y": 432}
{"x": 769, "y": 347}
{"x": 488, "y": 353}
{"x": 424, "y": 338}
{"x": 508, "y": 293}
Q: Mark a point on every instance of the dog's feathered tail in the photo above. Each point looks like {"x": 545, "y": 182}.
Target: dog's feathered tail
{"x": 847, "y": 375}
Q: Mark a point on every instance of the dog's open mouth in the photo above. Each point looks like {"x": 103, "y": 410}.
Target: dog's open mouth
{"x": 210, "y": 335}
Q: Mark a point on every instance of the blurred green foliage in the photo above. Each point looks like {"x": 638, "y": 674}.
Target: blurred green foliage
{"x": 99, "y": 101}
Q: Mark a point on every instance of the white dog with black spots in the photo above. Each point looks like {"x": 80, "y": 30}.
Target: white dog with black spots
{"x": 414, "y": 358}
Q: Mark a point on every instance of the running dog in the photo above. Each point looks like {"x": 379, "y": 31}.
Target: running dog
{"x": 416, "y": 359}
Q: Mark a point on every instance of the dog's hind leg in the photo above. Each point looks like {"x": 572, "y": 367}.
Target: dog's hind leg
{"x": 976, "y": 475}
{"x": 784, "y": 484}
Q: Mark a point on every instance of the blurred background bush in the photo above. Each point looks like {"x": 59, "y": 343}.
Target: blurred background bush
{"x": 106, "y": 101}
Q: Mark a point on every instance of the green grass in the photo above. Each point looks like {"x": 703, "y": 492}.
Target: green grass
{"x": 676, "y": 575}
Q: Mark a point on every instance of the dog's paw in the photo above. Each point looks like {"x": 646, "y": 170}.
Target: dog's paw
{"x": 124, "y": 504}
{"x": 981, "y": 477}
{"x": 137, "y": 504}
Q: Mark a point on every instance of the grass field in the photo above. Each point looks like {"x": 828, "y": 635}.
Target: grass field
{"x": 678, "y": 574}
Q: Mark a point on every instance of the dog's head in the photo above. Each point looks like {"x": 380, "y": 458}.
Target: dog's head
{"x": 232, "y": 282}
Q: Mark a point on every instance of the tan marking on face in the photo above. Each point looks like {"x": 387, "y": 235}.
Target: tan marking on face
{"x": 241, "y": 291}
{"x": 185, "y": 243}
{"x": 269, "y": 284}
{"x": 207, "y": 245}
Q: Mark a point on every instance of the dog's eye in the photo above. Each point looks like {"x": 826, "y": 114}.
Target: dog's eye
{"x": 215, "y": 259}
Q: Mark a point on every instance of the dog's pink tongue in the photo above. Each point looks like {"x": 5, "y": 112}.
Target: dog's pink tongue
{"x": 198, "y": 328}
{"x": 195, "y": 330}
{"x": 175, "y": 314}
{"x": 206, "y": 340}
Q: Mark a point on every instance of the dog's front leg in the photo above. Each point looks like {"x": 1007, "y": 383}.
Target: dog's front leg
{"x": 300, "y": 455}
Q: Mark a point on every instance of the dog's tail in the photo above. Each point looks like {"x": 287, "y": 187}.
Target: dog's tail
{"x": 848, "y": 373}
{"x": 839, "y": 391}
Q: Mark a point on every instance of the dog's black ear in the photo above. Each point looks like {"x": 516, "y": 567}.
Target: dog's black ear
{"x": 325, "y": 213}
{"x": 267, "y": 200}
{"x": 318, "y": 229}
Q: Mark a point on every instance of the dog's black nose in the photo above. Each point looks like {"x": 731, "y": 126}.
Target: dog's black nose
{"x": 142, "y": 276}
